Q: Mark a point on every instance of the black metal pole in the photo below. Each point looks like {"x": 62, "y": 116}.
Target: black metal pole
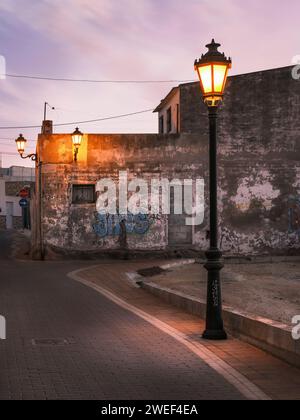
{"x": 214, "y": 321}
{"x": 40, "y": 210}
{"x": 45, "y": 111}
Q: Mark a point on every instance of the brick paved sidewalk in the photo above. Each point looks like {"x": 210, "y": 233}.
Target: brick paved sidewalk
{"x": 66, "y": 341}
{"x": 276, "y": 378}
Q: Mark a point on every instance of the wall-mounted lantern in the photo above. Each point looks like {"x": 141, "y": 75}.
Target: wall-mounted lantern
{"x": 21, "y": 144}
{"x": 77, "y": 137}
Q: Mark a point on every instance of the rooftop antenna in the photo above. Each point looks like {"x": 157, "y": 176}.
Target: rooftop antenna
{"x": 47, "y": 126}
{"x": 45, "y": 109}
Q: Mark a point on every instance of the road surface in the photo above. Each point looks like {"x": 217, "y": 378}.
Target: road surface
{"x": 66, "y": 341}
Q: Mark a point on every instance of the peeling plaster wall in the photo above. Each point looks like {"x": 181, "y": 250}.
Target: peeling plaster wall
{"x": 259, "y": 171}
{"x": 71, "y": 226}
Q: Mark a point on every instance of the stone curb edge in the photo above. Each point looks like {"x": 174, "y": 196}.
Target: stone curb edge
{"x": 268, "y": 335}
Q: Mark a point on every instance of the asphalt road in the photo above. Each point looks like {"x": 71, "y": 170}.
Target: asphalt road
{"x": 66, "y": 341}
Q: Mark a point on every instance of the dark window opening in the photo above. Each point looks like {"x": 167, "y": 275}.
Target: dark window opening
{"x": 83, "y": 194}
{"x": 169, "y": 120}
{"x": 177, "y": 118}
{"x": 161, "y": 125}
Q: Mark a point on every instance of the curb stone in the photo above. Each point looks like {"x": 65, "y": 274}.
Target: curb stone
{"x": 266, "y": 334}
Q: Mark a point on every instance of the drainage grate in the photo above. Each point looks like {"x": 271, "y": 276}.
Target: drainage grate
{"x": 50, "y": 342}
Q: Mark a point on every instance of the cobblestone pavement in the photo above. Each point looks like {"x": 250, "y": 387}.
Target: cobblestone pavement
{"x": 66, "y": 341}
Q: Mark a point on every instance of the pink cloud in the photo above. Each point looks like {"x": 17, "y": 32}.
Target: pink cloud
{"x": 130, "y": 39}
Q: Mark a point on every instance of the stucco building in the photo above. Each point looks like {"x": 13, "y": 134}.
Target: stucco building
{"x": 259, "y": 174}
{"x": 12, "y": 180}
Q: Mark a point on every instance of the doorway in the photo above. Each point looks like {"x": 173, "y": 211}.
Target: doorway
{"x": 180, "y": 235}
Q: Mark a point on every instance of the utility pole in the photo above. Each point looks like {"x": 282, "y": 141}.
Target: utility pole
{"x": 47, "y": 125}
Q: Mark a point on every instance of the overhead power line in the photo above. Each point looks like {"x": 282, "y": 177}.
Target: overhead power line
{"x": 24, "y": 127}
{"x": 12, "y": 142}
{"x": 61, "y": 79}
{"x": 8, "y": 153}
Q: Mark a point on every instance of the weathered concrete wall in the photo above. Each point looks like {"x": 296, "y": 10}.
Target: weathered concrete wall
{"x": 259, "y": 172}
{"x": 17, "y": 222}
{"x": 12, "y": 188}
{"x": 9, "y": 193}
{"x": 259, "y": 155}
{"x": 74, "y": 226}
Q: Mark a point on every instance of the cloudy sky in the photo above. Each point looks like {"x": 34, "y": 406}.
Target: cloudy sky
{"x": 125, "y": 40}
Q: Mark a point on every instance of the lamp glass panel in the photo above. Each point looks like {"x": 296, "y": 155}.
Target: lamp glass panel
{"x": 220, "y": 71}
{"x": 77, "y": 138}
{"x": 21, "y": 145}
{"x": 205, "y": 75}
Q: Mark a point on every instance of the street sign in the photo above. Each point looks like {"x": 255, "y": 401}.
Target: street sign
{"x": 23, "y": 202}
{"x": 24, "y": 193}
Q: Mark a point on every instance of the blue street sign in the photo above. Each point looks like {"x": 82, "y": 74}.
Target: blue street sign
{"x": 23, "y": 202}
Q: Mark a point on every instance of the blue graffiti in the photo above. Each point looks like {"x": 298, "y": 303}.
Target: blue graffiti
{"x": 294, "y": 215}
{"x": 110, "y": 224}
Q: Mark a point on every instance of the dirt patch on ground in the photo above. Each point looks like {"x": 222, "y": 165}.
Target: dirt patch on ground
{"x": 151, "y": 272}
{"x": 267, "y": 290}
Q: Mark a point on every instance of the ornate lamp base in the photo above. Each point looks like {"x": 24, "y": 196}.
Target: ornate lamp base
{"x": 215, "y": 335}
{"x": 214, "y": 321}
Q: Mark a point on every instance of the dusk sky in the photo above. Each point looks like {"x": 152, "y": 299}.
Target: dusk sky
{"x": 125, "y": 40}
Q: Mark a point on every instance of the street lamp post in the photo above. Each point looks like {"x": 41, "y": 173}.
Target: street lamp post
{"x": 212, "y": 69}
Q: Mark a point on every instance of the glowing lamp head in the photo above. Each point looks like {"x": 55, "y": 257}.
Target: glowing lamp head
{"x": 212, "y": 69}
{"x": 21, "y": 143}
{"x": 77, "y": 138}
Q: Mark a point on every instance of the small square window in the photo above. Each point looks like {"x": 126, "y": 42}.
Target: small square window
{"x": 83, "y": 194}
